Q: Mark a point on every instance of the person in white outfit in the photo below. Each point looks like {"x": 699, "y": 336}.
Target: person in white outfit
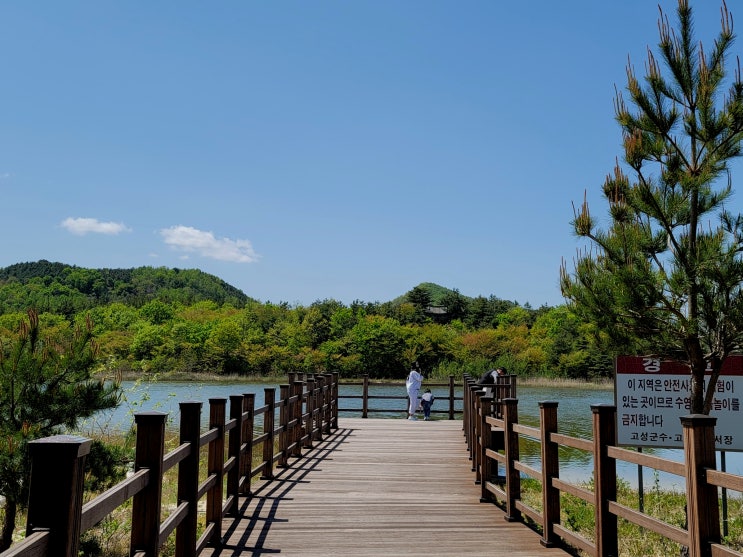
{"x": 413, "y": 385}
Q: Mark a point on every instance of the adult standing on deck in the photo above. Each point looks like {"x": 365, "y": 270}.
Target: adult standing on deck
{"x": 413, "y": 385}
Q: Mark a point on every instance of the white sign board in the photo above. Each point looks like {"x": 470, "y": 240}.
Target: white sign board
{"x": 652, "y": 395}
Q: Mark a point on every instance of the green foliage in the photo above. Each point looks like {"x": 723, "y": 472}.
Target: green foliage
{"x": 666, "y": 505}
{"x": 379, "y": 344}
{"x": 270, "y": 339}
{"x": 482, "y": 312}
{"x": 65, "y": 289}
{"x": 46, "y": 384}
{"x": 106, "y": 464}
{"x": 578, "y": 515}
{"x": 455, "y": 304}
{"x": 158, "y": 333}
{"x": 157, "y": 312}
{"x": 430, "y": 345}
{"x": 427, "y": 292}
{"x": 419, "y": 297}
{"x": 665, "y": 277}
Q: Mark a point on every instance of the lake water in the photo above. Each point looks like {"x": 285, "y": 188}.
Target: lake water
{"x": 574, "y": 418}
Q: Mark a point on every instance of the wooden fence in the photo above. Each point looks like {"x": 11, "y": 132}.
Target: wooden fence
{"x": 305, "y": 411}
{"x": 367, "y": 398}
{"x": 493, "y": 432}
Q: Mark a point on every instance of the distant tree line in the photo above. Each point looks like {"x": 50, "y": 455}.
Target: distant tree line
{"x": 165, "y": 321}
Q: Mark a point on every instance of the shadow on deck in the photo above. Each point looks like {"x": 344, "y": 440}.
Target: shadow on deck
{"x": 378, "y": 487}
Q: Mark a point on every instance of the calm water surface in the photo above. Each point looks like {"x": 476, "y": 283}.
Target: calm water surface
{"x": 574, "y": 417}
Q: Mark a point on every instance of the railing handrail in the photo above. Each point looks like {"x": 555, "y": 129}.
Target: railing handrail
{"x": 366, "y": 397}
{"x": 494, "y": 441}
{"x": 56, "y": 516}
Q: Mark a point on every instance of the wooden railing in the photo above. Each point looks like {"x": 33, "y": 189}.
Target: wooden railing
{"x": 307, "y": 410}
{"x": 367, "y": 398}
{"x": 492, "y": 431}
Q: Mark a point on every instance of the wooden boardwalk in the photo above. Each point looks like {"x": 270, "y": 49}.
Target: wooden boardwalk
{"x": 378, "y": 487}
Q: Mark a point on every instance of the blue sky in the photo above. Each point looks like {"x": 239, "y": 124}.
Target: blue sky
{"x": 303, "y": 150}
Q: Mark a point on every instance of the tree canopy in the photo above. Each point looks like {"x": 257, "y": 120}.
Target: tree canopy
{"x": 665, "y": 277}
{"x": 160, "y": 328}
{"x": 67, "y": 289}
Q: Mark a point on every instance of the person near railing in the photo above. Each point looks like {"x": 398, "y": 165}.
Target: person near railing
{"x": 413, "y": 385}
{"x": 488, "y": 378}
{"x": 426, "y": 402}
{"x": 491, "y": 377}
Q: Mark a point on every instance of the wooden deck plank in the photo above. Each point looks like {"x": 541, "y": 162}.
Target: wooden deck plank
{"x": 379, "y": 487}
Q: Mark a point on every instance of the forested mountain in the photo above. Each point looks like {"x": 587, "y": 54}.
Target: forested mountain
{"x": 67, "y": 289}
{"x": 168, "y": 321}
{"x": 60, "y": 288}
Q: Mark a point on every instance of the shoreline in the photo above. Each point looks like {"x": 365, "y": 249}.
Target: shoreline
{"x": 532, "y": 381}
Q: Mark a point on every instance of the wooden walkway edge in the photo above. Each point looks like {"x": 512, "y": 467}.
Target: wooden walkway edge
{"x": 378, "y": 487}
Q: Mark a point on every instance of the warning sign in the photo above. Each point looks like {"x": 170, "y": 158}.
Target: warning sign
{"x": 652, "y": 395}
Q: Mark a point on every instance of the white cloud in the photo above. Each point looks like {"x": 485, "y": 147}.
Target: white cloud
{"x": 81, "y": 226}
{"x": 186, "y": 238}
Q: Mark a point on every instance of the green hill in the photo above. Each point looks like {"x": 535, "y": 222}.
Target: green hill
{"x": 66, "y": 289}
{"x": 61, "y": 288}
{"x": 436, "y": 291}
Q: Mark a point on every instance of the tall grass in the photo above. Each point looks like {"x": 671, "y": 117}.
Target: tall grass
{"x": 635, "y": 541}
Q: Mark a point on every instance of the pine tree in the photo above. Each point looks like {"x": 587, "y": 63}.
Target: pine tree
{"x": 666, "y": 274}
{"x": 46, "y": 386}
{"x": 421, "y": 299}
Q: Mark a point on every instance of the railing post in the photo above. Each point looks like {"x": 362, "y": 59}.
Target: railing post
{"x": 467, "y": 411}
{"x": 188, "y": 479}
{"x": 472, "y": 424}
{"x": 284, "y": 417}
{"x": 246, "y": 466}
{"x": 335, "y": 400}
{"x": 295, "y": 413}
{"x": 550, "y": 469}
{"x": 268, "y": 430}
{"x": 150, "y": 447}
{"x": 486, "y": 466}
{"x": 451, "y": 397}
{"x": 328, "y": 403}
{"x": 703, "y": 511}
{"x": 215, "y": 466}
{"x": 477, "y": 431}
{"x": 465, "y": 408}
{"x": 235, "y": 452}
{"x": 365, "y": 398}
{"x": 319, "y": 405}
{"x": 465, "y": 378}
{"x": 512, "y": 385}
{"x": 325, "y": 383}
{"x": 605, "y": 478}
{"x": 56, "y": 491}
{"x": 511, "y": 438}
{"x": 296, "y": 391}
{"x": 310, "y": 414}
{"x": 502, "y": 390}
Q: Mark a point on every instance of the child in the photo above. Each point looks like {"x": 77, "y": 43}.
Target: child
{"x": 427, "y": 401}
